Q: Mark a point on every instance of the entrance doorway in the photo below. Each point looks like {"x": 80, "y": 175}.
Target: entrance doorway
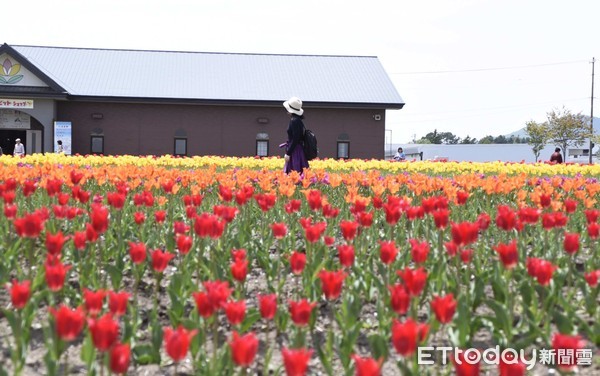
{"x": 8, "y": 137}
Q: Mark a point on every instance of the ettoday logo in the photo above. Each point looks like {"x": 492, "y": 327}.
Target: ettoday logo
{"x": 428, "y": 355}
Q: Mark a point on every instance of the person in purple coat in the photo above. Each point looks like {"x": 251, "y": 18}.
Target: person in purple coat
{"x": 295, "y": 160}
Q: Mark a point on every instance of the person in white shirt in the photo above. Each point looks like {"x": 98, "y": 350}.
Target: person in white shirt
{"x": 59, "y": 148}
{"x": 19, "y": 148}
{"x": 400, "y": 156}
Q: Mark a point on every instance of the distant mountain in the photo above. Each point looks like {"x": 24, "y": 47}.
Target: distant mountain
{"x": 521, "y": 132}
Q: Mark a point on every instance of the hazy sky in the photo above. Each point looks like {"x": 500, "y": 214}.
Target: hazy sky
{"x": 470, "y": 67}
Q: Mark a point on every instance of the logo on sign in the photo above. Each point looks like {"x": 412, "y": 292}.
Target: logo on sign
{"x": 9, "y": 72}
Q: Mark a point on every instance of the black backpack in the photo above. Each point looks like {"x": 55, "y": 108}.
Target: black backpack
{"x": 311, "y": 151}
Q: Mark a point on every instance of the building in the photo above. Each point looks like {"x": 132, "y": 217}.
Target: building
{"x": 134, "y": 102}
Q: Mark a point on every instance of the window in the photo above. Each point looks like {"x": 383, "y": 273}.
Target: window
{"x": 262, "y": 148}
{"x": 343, "y": 149}
{"x": 180, "y": 146}
{"x": 97, "y": 144}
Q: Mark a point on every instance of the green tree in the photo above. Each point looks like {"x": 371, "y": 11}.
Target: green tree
{"x": 468, "y": 140}
{"x": 487, "y": 140}
{"x": 449, "y": 138}
{"x": 567, "y": 129}
{"x": 500, "y": 140}
{"x": 434, "y": 137}
{"x": 538, "y": 137}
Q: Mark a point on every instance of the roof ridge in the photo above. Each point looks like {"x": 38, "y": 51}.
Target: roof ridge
{"x": 190, "y": 52}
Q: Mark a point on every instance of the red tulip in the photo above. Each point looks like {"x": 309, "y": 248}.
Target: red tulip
{"x": 30, "y": 225}
{"x": 387, "y": 252}
{"x": 243, "y": 349}
{"x": 461, "y": 197}
{"x": 218, "y": 293}
{"x": 120, "y": 357}
{"x": 545, "y": 200}
{"x": 265, "y": 201}
{"x": 451, "y": 248}
{"x": 570, "y": 205}
{"x": 301, "y": 311}
{"x": 292, "y": 206}
{"x": 314, "y": 232}
{"x": 331, "y": 283}
{"x": 414, "y": 212}
{"x": 160, "y": 260}
{"x": 90, "y": 233}
{"x": 279, "y": 230}
{"x": 93, "y": 301}
{"x": 209, "y": 225}
{"x": 483, "y": 221}
{"x": 444, "y": 308}
{"x": 104, "y": 331}
{"x": 137, "y": 252}
{"x": 399, "y": 298}
{"x": 564, "y": 342}
{"x": 541, "y": 270}
{"x": 55, "y": 242}
{"x": 28, "y": 187}
{"x": 367, "y": 366}
{"x": 571, "y": 242}
{"x": 464, "y": 366}
{"x": 593, "y": 230}
{"x": 268, "y": 306}
{"x": 349, "y": 229}
{"x": 10, "y": 211}
{"x": 184, "y": 244}
{"x": 591, "y": 215}
{"x": 20, "y": 293}
{"x": 419, "y": 250}
{"x": 592, "y": 278}
{"x": 177, "y": 342}
{"x": 512, "y": 367}
{"x": 203, "y": 304}
{"x": 413, "y": 279}
{"x": 75, "y": 176}
{"x": 180, "y": 227}
{"x": 440, "y": 218}
{"x": 346, "y": 255}
{"x": 239, "y": 270}
{"x": 160, "y": 216}
{"x": 365, "y": 219}
{"x": 296, "y": 361}
{"x": 406, "y": 336}
{"x": 117, "y": 302}
{"x": 238, "y": 254}
{"x": 116, "y": 199}
{"x": 80, "y": 240}
{"x": 392, "y": 213}
{"x": 506, "y": 218}
{"x": 139, "y": 218}
{"x": 508, "y": 254}
{"x": 68, "y": 322}
{"x": 315, "y": 201}
{"x": 466, "y": 255}
{"x": 55, "y": 275}
{"x": 235, "y": 311}
{"x": 99, "y": 218}
{"x": 297, "y": 262}
{"x": 464, "y": 233}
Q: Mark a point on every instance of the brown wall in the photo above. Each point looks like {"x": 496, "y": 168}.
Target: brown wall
{"x": 141, "y": 129}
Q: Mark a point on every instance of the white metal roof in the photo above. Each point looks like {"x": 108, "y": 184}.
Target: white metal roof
{"x": 215, "y": 76}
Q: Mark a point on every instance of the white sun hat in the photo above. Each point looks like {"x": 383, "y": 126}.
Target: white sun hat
{"x": 294, "y": 106}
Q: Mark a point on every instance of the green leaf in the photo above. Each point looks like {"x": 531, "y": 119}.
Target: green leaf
{"x": 252, "y": 316}
{"x": 563, "y": 323}
{"x": 501, "y": 315}
{"x": 144, "y": 354}
{"x": 379, "y": 346}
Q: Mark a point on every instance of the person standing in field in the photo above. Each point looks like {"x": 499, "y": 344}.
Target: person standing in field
{"x": 19, "y": 148}
{"x": 295, "y": 160}
{"x": 556, "y": 157}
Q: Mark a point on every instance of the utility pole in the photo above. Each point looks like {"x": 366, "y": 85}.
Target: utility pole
{"x": 592, "y": 110}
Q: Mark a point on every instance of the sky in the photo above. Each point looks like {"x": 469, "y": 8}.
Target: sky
{"x": 470, "y": 67}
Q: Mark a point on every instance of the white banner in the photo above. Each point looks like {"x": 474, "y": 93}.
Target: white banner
{"x": 16, "y": 103}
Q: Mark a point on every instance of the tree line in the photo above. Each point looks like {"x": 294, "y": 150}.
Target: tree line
{"x": 561, "y": 128}
{"x": 448, "y": 138}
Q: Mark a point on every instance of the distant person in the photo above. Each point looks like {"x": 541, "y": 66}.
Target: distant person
{"x": 19, "y": 148}
{"x": 295, "y": 160}
{"x": 400, "y": 156}
{"x": 59, "y": 148}
{"x": 556, "y": 157}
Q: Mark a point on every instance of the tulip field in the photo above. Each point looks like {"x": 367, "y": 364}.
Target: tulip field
{"x": 228, "y": 266}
